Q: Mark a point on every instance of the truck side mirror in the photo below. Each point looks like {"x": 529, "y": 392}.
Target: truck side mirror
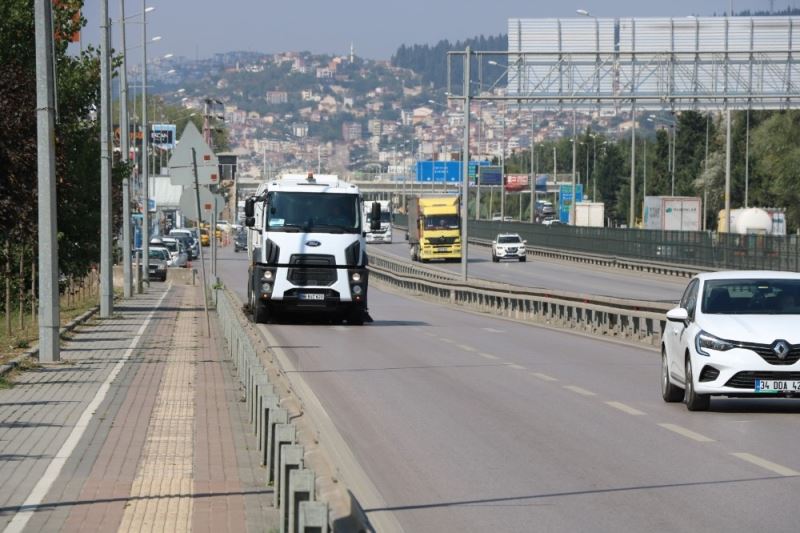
{"x": 375, "y": 217}
{"x": 249, "y": 212}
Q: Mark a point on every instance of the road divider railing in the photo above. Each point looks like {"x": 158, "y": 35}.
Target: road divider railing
{"x": 305, "y": 483}
{"x": 635, "y": 321}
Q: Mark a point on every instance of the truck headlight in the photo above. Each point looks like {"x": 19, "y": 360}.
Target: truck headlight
{"x": 357, "y": 290}
{"x": 268, "y": 274}
{"x": 266, "y": 287}
{"x": 705, "y": 341}
{"x": 356, "y": 276}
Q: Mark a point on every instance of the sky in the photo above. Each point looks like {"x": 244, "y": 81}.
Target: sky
{"x": 200, "y": 28}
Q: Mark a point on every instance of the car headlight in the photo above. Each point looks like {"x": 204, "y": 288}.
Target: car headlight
{"x": 705, "y": 341}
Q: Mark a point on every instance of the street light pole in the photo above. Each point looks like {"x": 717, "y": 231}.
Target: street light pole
{"x": 533, "y": 173}
{"x": 143, "y": 156}
{"x": 106, "y": 274}
{"x": 124, "y": 154}
{"x": 49, "y": 316}
{"x": 632, "y": 213}
{"x": 572, "y": 220}
{"x": 465, "y": 170}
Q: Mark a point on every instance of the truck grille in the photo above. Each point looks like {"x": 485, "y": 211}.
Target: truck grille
{"x": 438, "y": 241}
{"x": 747, "y": 380}
{"x": 315, "y": 270}
{"x": 766, "y": 353}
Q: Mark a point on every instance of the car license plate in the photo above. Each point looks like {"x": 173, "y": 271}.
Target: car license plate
{"x": 777, "y": 385}
{"x": 311, "y": 296}
{"x": 442, "y": 249}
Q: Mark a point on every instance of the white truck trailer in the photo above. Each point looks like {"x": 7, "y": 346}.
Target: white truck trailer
{"x": 384, "y": 233}
{"x": 673, "y": 213}
{"x": 307, "y": 248}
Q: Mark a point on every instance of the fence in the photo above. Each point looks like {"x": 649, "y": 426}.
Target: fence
{"x": 713, "y": 251}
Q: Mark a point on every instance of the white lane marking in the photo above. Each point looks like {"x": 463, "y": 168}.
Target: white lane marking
{"x": 340, "y": 328}
{"x": 516, "y": 367}
{"x": 50, "y": 475}
{"x": 688, "y": 433}
{"x": 625, "y": 408}
{"x": 445, "y": 339}
{"x": 489, "y": 356}
{"x": 544, "y": 377}
{"x": 579, "y": 390}
{"x": 769, "y": 465}
{"x": 492, "y": 330}
{"x": 466, "y": 348}
{"x": 429, "y": 334}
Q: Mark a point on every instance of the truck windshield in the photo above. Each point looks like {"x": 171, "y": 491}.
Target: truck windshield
{"x": 384, "y": 216}
{"x": 440, "y": 222}
{"x": 302, "y": 211}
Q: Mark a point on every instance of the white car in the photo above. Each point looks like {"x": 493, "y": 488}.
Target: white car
{"x": 733, "y": 334}
{"x": 508, "y": 246}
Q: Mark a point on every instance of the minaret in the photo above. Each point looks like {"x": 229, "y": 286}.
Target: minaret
{"x": 352, "y": 52}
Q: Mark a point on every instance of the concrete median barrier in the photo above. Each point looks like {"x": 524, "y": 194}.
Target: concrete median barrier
{"x": 301, "y": 489}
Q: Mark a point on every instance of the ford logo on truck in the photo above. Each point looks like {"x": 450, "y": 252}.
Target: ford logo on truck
{"x": 313, "y": 243}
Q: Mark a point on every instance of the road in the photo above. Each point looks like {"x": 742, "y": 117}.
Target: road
{"x": 557, "y": 275}
{"x": 470, "y": 423}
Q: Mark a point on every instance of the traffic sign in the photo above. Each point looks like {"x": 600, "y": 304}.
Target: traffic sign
{"x": 180, "y": 164}
{"x": 188, "y": 203}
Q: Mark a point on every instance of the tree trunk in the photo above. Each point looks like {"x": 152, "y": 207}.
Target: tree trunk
{"x": 21, "y": 291}
{"x": 8, "y": 289}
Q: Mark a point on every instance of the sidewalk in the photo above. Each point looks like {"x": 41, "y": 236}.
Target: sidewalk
{"x": 140, "y": 429}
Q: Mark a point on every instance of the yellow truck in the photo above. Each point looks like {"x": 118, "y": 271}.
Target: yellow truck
{"x": 434, "y": 228}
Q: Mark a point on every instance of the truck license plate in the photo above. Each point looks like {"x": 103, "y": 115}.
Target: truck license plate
{"x": 311, "y": 296}
{"x": 777, "y": 385}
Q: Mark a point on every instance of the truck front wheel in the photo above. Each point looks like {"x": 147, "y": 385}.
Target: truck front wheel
{"x": 260, "y": 312}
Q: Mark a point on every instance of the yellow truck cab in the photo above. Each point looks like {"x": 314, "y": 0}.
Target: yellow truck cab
{"x": 434, "y": 228}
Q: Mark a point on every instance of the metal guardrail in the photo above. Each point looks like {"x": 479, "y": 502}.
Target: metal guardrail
{"x": 694, "y": 251}
{"x": 641, "y": 322}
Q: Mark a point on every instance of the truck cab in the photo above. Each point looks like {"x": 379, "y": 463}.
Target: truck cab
{"x": 384, "y": 233}
{"x": 434, "y": 228}
{"x": 307, "y": 248}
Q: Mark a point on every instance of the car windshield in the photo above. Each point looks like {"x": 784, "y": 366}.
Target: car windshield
{"x": 326, "y": 213}
{"x": 440, "y": 222}
{"x": 506, "y": 239}
{"x": 752, "y": 297}
{"x": 172, "y": 246}
{"x": 158, "y": 253}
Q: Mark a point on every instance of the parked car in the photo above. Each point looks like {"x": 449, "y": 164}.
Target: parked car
{"x": 508, "y": 246}
{"x": 733, "y": 334}
{"x": 240, "y": 241}
{"x": 157, "y": 262}
{"x": 179, "y": 256}
{"x": 189, "y": 240}
{"x": 552, "y": 222}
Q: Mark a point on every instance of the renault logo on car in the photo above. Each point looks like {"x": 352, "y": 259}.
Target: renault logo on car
{"x": 781, "y": 349}
{"x": 313, "y": 243}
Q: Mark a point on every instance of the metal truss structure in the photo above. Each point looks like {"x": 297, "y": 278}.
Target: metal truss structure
{"x": 672, "y": 64}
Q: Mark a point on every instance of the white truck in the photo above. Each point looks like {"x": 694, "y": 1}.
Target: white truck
{"x": 384, "y": 234}
{"x": 307, "y": 248}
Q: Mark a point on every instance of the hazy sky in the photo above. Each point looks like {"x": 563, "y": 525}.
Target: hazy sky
{"x": 376, "y": 27}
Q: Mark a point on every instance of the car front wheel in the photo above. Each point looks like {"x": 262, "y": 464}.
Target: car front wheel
{"x": 694, "y": 401}
{"x": 669, "y": 392}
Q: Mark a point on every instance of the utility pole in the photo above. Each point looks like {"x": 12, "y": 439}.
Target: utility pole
{"x": 574, "y": 163}
{"x": 124, "y": 149}
{"x": 145, "y": 274}
{"x": 465, "y": 169}
{"x": 533, "y": 175}
{"x": 705, "y": 185}
{"x": 727, "y": 169}
{"x": 632, "y": 213}
{"x": 747, "y": 162}
{"x": 49, "y": 316}
{"x": 106, "y": 274}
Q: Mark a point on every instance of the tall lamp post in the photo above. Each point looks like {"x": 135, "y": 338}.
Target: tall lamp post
{"x": 143, "y": 156}
{"x": 670, "y": 146}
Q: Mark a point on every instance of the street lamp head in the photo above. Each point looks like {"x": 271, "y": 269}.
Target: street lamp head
{"x": 582, "y": 12}
{"x": 149, "y": 9}
{"x": 167, "y": 56}
{"x": 156, "y": 38}
{"x": 493, "y": 62}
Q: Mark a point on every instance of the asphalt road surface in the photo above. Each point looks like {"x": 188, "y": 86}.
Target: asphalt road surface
{"x": 471, "y": 423}
{"x": 557, "y": 275}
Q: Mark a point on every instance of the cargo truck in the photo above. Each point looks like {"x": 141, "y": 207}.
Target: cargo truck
{"x": 384, "y": 233}
{"x": 307, "y": 248}
{"x": 434, "y": 228}
{"x": 681, "y": 213}
{"x": 590, "y": 214}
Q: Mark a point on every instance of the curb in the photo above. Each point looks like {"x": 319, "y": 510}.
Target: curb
{"x": 34, "y": 352}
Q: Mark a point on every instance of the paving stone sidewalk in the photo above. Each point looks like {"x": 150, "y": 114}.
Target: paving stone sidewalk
{"x": 139, "y": 429}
